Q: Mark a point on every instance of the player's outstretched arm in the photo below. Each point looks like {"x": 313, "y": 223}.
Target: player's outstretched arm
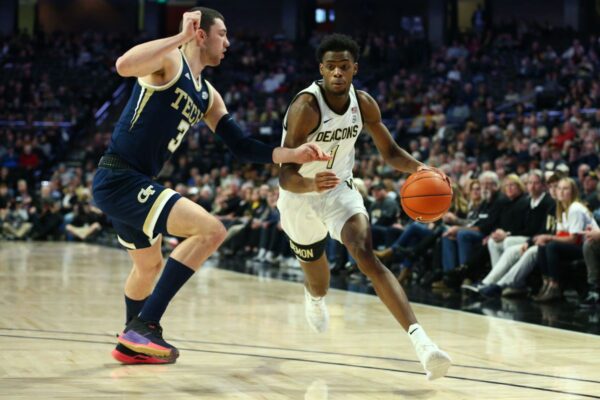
{"x": 247, "y": 149}
{"x": 159, "y": 57}
{"x": 302, "y": 119}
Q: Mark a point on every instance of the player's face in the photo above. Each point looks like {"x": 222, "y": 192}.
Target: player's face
{"x": 216, "y": 43}
{"x": 337, "y": 69}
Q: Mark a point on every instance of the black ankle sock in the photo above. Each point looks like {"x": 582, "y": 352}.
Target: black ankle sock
{"x": 172, "y": 279}
{"x": 133, "y": 308}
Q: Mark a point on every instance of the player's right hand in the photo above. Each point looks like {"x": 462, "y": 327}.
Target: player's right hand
{"x": 439, "y": 171}
{"x": 325, "y": 180}
{"x": 190, "y": 24}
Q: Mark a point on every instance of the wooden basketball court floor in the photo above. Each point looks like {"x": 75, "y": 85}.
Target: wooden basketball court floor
{"x": 245, "y": 337}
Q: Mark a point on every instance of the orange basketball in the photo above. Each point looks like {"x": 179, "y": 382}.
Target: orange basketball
{"x": 426, "y": 196}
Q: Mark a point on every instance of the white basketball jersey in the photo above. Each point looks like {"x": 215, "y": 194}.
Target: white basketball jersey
{"x": 335, "y": 135}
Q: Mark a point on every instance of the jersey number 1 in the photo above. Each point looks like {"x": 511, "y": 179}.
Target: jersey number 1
{"x": 175, "y": 142}
{"x": 333, "y": 152}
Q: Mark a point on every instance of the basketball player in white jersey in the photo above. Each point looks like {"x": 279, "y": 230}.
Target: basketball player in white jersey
{"x": 319, "y": 198}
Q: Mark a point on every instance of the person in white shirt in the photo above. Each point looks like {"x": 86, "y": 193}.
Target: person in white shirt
{"x": 567, "y": 244}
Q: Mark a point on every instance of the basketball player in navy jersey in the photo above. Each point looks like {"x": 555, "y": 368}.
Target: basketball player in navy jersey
{"x": 169, "y": 97}
{"x": 319, "y": 198}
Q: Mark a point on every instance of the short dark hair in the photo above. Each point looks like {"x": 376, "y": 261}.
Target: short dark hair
{"x": 208, "y": 18}
{"x": 338, "y": 42}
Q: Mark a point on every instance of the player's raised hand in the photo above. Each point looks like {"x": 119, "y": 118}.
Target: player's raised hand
{"x": 309, "y": 152}
{"x": 326, "y": 180}
{"x": 190, "y": 24}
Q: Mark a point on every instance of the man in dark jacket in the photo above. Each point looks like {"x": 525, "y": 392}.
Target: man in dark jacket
{"x": 459, "y": 243}
{"x": 506, "y": 277}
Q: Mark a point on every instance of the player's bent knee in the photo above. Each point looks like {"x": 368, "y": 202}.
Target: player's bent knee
{"x": 219, "y": 233}
{"x": 150, "y": 270}
{"x": 212, "y": 232}
{"x": 310, "y": 252}
{"x": 359, "y": 249}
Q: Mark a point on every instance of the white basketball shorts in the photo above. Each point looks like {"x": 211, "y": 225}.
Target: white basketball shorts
{"x": 307, "y": 217}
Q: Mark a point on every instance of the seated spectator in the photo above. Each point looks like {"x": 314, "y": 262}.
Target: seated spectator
{"x": 273, "y": 246}
{"x": 458, "y": 242}
{"x": 553, "y": 250}
{"x": 15, "y": 222}
{"x": 591, "y": 255}
{"x": 85, "y": 225}
{"x": 507, "y": 276}
{"x": 48, "y": 223}
{"x": 383, "y": 212}
{"x": 4, "y": 196}
{"x": 513, "y": 229}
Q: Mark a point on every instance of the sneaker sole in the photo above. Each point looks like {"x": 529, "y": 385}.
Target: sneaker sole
{"x": 315, "y": 329}
{"x": 140, "y": 358}
{"x": 438, "y": 368}
{"x": 143, "y": 345}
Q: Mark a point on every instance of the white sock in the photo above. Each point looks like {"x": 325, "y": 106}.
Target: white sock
{"x": 417, "y": 335}
{"x": 261, "y": 253}
{"x": 313, "y": 298}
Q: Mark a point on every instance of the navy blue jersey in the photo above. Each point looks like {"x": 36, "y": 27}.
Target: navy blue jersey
{"x": 157, "y": 118}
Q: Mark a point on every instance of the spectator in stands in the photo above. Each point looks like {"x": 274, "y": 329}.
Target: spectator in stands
{"x": 591, "y": 255}
{"x": 85, "y": 225}
{"x": 4, "y": 196}
{"x": 506, "y": 278}
{"x": 458, "y": 242}
{"x": 47, "y": 225}
{"x": 512, "y": 230}
{"x": 384, "y": 213}
{"x": 553, "y": 250}
{"x": 15, "y": 222}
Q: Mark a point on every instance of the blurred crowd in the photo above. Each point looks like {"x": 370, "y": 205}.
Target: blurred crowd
{"x": 510, "y": 114}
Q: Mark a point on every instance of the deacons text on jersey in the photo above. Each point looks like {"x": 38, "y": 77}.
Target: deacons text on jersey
{"x": 336, "y": 134}
{"x": 157, "y": 118}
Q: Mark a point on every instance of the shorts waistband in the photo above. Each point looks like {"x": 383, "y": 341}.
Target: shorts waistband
{"x": 113, "y": 161}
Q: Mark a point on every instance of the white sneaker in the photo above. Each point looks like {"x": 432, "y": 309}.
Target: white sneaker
{"x": 316, "y": 312}
{"x": 293, "y": 263}
{"x": 435, "y": 361}
{"x": 269, "y": 257}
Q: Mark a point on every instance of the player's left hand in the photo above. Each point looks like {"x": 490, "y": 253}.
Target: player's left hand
{"x": 309, "y": 152}
{"x": 437, "y": 170}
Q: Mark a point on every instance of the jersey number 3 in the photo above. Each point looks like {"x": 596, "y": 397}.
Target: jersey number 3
{"x": 332, "y": 152}
{"x": 175, "y": 142}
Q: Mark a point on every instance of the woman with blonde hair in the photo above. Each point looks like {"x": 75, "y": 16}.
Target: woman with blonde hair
{"x": 567, "y": 244}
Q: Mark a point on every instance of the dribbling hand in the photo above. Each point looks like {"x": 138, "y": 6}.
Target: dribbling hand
{"x": 437, "y": 170}
{"x": 190, "y": 24}
{"x": 325, "y": 180}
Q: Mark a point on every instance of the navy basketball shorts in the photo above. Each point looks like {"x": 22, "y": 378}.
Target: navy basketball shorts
{"x": 137, "y": 206}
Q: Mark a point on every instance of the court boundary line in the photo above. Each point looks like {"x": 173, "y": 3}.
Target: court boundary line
{"x": 527, "y": 373}
{"x": 326, "y": 363}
